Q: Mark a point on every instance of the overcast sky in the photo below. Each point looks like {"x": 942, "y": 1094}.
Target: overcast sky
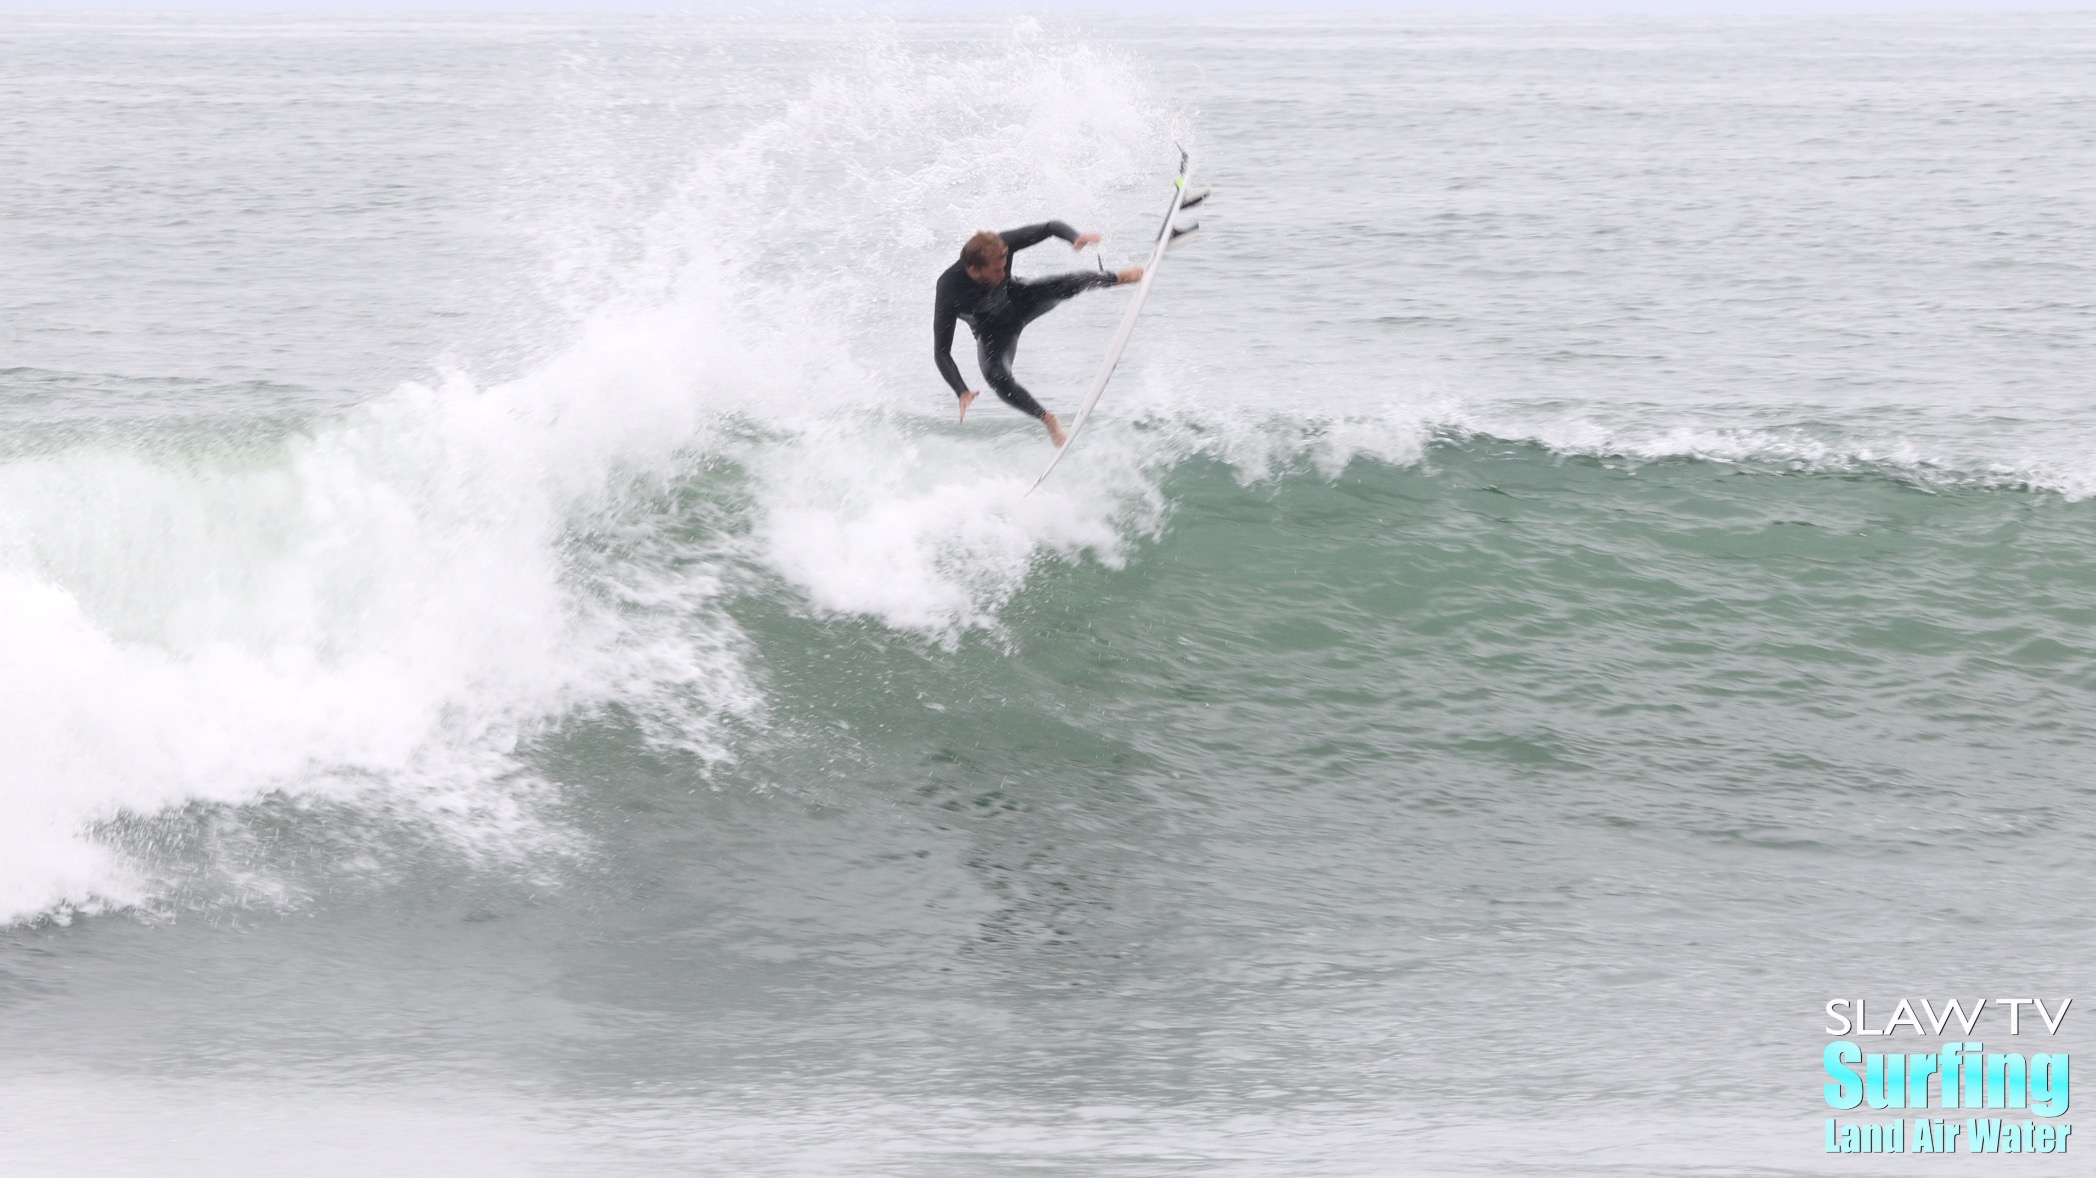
{"x": 782, "y": 7}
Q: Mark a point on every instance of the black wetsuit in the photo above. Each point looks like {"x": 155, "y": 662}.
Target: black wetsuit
{"x": 997, "y": 314}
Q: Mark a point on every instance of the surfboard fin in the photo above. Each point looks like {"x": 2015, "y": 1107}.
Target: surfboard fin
{"x": 1193, "y": 198}
{"x": 1181, "y": 233}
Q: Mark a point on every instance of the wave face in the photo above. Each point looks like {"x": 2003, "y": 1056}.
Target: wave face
{"x": 1555, "y": 535}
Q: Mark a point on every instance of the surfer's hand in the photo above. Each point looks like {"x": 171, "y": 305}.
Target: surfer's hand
{"x": 967, "y": 399}
{"x": 1083, "y": 240}
{"x": 1131, "y": 274}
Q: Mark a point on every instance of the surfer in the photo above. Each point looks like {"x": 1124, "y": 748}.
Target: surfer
{"x": 997, "y": 307}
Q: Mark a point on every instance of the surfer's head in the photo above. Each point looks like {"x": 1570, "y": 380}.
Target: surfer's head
{"x": 984, "y": 257}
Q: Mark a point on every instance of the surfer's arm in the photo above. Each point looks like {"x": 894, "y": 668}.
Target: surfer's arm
{"x": 1026, "y": 235}
{"x": 942, "y": 347}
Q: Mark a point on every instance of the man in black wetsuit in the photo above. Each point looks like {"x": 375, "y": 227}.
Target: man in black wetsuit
{"x": 997, "y": 307}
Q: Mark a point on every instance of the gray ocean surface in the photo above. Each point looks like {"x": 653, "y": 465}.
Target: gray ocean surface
{"x": 508, "y": 665}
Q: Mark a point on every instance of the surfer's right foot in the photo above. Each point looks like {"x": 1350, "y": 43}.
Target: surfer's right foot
{"x": 967, "y": 399}
{"x": 1131, "y": 274}
{"x": 1055, "y": 430}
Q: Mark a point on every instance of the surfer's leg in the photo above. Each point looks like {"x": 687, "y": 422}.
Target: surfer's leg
{"x": 1035, "y": 299}
{"x": 994, "y": 355}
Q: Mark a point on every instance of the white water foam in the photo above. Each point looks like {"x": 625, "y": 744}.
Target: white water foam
{"x": 1910, "y": 447}
{"x": 378, "y": 611}
{"x": 381, "y": 610}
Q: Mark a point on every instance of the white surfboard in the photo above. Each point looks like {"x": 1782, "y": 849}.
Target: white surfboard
{"x": 1182, "y": 197}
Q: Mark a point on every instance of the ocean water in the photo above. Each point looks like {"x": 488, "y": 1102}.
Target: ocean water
{"x": 508, "y": 665}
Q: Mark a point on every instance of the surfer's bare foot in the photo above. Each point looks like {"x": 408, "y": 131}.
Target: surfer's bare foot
{"x": 967, "y": 399}
{"x": 1131, "y": 274}
{"x": 1055, "y": 430}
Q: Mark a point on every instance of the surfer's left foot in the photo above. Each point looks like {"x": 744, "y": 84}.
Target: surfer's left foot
{"x": 1055, "y": 430}
{"x": 967, "y": 399}
{"x": 1131, "y": 274}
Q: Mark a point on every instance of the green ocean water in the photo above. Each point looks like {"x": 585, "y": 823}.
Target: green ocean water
{"x": 510, "y": 668}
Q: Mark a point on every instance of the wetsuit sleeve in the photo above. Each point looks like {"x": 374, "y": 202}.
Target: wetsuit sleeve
{"x": 942, "y": 343}
{"x": 1026, "y": 235}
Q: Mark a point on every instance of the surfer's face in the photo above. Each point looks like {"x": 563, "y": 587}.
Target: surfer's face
{"x": 990, "y": 273}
